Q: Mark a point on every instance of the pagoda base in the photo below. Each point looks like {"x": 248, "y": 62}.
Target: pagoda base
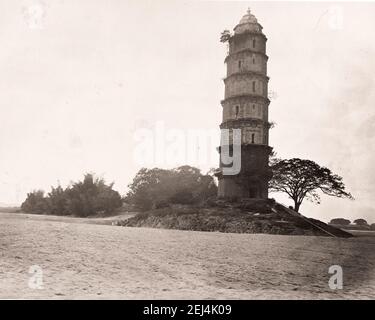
{"x": 252, "y": 180}
{"x": 242, "y": 187}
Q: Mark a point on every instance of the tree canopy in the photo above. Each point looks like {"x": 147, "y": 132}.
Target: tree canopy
{"x": 152, "y": 188}
{"x": 303, "y": 179}
{"x": 360, "y": 222}
{"x": 35, "y": 202}
{"x": 340, "y": 221}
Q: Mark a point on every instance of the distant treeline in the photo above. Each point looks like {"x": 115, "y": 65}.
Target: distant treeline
{"x": 151, "y": 188}
{"x": 358, "y": 224}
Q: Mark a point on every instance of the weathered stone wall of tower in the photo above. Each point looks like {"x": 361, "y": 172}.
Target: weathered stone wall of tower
{"x": 245, "y": 107}
{"x": 246, "y": 60}
{"x": 249, "y": 39}
{"x": 246, "y": 83}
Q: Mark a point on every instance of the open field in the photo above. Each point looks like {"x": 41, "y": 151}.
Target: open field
{"x": 88, "y": 260}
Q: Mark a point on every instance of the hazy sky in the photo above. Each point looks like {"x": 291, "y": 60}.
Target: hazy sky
{"x": 79, "y": 78}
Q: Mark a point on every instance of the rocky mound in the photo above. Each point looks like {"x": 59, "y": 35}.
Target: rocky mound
{"x": 246, "y": 216}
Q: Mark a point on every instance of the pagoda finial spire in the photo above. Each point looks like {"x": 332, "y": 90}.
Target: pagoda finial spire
{"x": 248, "y": 10}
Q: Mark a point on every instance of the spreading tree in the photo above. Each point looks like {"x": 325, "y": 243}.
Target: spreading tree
{"x": 300, "y": 179}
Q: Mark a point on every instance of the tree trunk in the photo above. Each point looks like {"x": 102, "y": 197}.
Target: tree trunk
{"x": 296, "y": 206}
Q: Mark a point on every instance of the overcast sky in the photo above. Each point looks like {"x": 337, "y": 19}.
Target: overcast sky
{"x": 78, "y": 80}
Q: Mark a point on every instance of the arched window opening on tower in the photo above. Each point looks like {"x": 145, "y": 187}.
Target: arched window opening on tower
{"x": 253, "y": 60}
{"x": 239, "y": 64}
{"x": 237, "y": 111}
{"x": 254, "y": 43}
{"x": 252, "y": 137}
{"x": 253, "y": 86}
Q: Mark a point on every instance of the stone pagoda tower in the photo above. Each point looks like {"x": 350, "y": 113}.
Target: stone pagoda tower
{"x": 245, "y": 107}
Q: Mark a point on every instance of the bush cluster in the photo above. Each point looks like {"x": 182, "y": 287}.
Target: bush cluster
{"x": 89, "y": 197}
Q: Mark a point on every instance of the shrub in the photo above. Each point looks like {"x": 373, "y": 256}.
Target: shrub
{"x": 35, "y": 202}
{"x": 91, "y": 196}
{"x": 84, "y": 198}
{"x": 57, "y": 201}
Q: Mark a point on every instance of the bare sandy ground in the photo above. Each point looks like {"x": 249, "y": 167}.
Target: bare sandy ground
{"x": 96, "y": 220}
{"x": 85, "y": 261}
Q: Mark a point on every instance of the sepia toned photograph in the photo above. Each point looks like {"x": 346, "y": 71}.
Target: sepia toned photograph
{"x": 187, "y": 150}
